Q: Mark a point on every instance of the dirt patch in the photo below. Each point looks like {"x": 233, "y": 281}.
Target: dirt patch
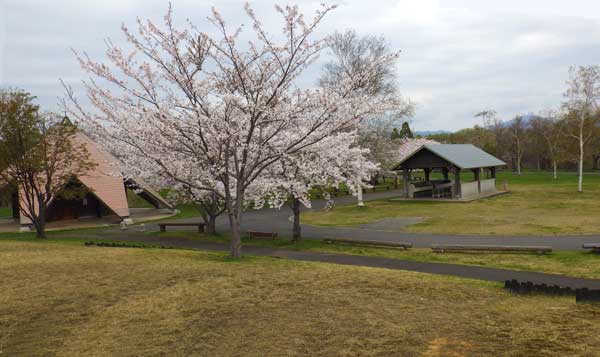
{"x": 444, "y": 346}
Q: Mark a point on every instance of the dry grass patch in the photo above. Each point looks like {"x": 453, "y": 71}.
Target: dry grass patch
{"x": 571, "y": 263}
{"x": 70, "y": 300}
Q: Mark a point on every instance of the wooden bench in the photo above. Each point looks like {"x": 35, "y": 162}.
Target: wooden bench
{"x": 595, "y": 247}
{"x": 270, "y": 235}
{"x": 387, "y": 187}
{"x": 163, "y": 226}
{"x": 441, "y": 248}
{"x": 403, "y": 245}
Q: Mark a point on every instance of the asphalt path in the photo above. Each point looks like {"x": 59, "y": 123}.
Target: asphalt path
{"x": 279, "y": 220}
{"x": 463, "y": 271}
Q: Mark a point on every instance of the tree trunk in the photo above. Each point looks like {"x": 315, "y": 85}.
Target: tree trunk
{"x": 297, "y": 230}
{"x": 554, "y": 166}
{"x": 580, "y": 178}
{"x": 235, "y": 243}
{"x": 211, "y": 224}
{"x": 40, "y": 225}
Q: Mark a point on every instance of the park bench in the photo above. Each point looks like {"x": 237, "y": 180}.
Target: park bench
{"x": 163, "y": 226}
{"x": 386, "y": 187}
{"x": 595, "y": 247}
{"x": 403, "y": 245}
{"x": 441, "y": 248}
{"x": 269, "y": 235}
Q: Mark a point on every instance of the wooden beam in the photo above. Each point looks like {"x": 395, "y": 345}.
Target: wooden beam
{"x": 477, "y": 173}
{"x": 427, "y": 172}
{"x": 405, "y": 180}
{"x": 457, "y": 187}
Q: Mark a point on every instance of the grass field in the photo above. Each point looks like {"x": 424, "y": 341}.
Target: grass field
{"x": 5, "y": 212}
{"x": 536, "y": 205}
{"x": 583, "y": 264}
{"x": 72, "y": 300}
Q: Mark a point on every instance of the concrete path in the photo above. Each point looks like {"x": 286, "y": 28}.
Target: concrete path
{"x": 272, "y": 220}
{"x": 463, "y": 271}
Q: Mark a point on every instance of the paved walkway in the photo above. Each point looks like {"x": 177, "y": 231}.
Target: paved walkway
{"x": 272, "y": 220}
{"x": 463, "y": 271}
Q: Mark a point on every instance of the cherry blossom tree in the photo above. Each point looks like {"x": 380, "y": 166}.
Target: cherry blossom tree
{"x": 330, "y": 163}
{"x": 211, "y": 112}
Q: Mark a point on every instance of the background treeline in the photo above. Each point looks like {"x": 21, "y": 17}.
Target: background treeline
{"x": 538, "y": 142}
{"x": 566, "y": 138}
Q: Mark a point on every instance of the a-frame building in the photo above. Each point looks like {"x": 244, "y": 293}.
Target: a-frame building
{"x": 106, "y": 191}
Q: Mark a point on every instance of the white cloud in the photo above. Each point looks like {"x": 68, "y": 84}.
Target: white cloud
{"x": 457, "y": 57}
{"x": 2, "y": 39}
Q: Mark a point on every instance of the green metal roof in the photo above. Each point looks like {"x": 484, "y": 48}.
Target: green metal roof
{"x": 464, "y": 156}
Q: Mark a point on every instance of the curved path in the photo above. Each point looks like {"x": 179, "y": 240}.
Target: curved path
{"x": 272, "y": 220}
{"x": 463, "y": 271}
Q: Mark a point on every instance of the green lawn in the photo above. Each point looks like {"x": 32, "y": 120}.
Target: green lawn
{"x": 5, "y": 212}
{"x": 70, "y": 300}
{"x": 536, "y": 205}
{"x": 582, "y": 264}
{"x": 572, "y": 263}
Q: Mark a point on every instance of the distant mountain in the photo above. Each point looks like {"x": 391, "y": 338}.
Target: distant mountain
{"x": 527, "y": 118}
{"x": 431, "y": 132}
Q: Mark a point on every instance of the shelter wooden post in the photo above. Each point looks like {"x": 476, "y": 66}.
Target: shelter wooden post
{"x": 445, "y": 173}
{"x": 457, "y": 187}
{"x": 427, "y": 172}
{"x": 477, "y": 173}
{"x": 405, "y": 182}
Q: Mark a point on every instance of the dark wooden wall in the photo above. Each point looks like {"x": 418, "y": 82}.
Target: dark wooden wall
{"x": 425, "y": 159}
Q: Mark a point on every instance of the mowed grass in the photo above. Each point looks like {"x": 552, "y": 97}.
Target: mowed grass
{"x": 582, "y": 264}
{"x": 570, "y": 263}
{"x": 74, "y": 300}
{"x": 5, "y": 212}
{"x": 536, "y": 205}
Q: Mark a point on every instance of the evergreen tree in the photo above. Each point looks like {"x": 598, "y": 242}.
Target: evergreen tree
{"x": 405, "y": 132}
{"x": 395, "y": 134}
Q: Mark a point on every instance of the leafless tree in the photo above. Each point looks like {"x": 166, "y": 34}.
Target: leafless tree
{"x": 352, "y": 54}
{"x": 582, "y": 95}
{"x": 517, "y": 130}
{"x": 551, "y": 128}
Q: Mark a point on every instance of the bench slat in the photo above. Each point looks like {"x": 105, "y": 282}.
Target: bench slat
{"x": 491, "y": 248}
{"x": 163, "y": 225}
{"x": 181, "y": 224}
{"x": 252, "y": 234}
{"x": 404, "y": 245}
{"x": 594, "y": 246}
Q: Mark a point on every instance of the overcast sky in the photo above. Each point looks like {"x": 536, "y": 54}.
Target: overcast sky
{"x": 458, "y": 57}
